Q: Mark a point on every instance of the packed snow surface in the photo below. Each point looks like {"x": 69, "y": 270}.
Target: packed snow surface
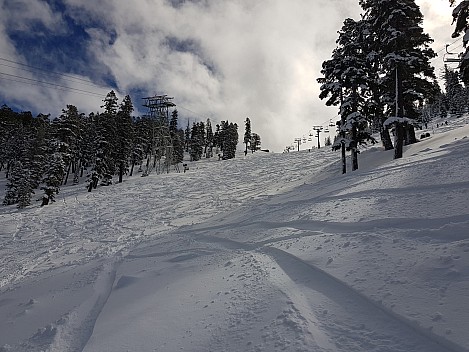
{"x": 269, "y": 252}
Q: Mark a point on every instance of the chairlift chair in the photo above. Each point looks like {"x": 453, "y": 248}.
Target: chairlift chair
{"x": 448, "y": 60}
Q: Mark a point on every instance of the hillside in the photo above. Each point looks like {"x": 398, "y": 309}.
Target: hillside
{"x": 272, "y": 252}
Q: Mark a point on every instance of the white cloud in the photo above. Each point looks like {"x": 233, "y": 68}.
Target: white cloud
{"x": 257, "y": 59}
{"x": 223, "y": 59}
{"x": 23, "y": 14}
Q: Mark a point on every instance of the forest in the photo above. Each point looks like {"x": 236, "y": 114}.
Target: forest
{"x": 40, "y": 154}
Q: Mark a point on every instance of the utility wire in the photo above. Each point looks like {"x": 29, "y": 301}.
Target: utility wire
{"x": 44, "y": 70}
{"x": 53, "y": 85}
{"x": 40, "y": 85}
{"x": 89, "y": 84}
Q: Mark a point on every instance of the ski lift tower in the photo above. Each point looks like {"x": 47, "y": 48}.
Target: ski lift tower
{"x": 161, "y": 145}
{"x": 318, "y": 130}
{"x": 298, "y": 141}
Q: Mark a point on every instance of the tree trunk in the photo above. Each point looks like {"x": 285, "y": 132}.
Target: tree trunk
{"x": 398, "y": 151}
{"x": 121, "y": 172}
{"x": 68, "y": 172}
{"x": 344, "y": 159}
{"x": 410, "y": 137}
{"x": 386, "y": 139}
{"x": 76, "y": 178}
{"x": 132, "y": 168}
{"x": 354, "y": 149}
{"x": 7, "y": 172}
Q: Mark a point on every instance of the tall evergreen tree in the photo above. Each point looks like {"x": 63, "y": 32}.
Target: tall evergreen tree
{"x": 197, "y": 141}
{"x": 177, "y": 138}
{"x": 460, "y": 18}
{"x": 255, "y": 142}
{"x": 54, "y": 173}
{"x": 208, "y": 139}
{"x": 124, "y": 137}
{"x": 69, "y": 133}
{"x": 187, "y": 137}
{"x": 404, "y": 57}
{"x": 228, "y": 139}
{"x": 348, "y": 78}
{"x": 247, "y": 134}
{"x": 106, "y": 132}
{"x": 455, "y": 94}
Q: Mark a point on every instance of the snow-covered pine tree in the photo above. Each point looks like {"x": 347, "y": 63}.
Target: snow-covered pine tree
{"x": 247, "y": 134}
{"x": 9, "y": 123}
{"x": 124, "y": 136}
{"x": 229, "y": 137}
{"x": 187, "y": 137}
{"x": 177, "y": 138}
{"x": 37, "y": 151}
{"x": 346, "y": 83}
{"x": 404, "y": 55}
{"x": 197, "y": 141}
{"x": 21, "y": 180}
{"x": 69, "y": 133}
{"x": 455, "y": 93}
{"x": 332, "y": 86}
{"x": 88, "y": 147}
{"x": 255, "y": 142}
{"x": 104, "y": 124}
{"x": 355, "y": 90}
{"x": 208, "y": 139}
{"x": 53, "y": 176}
{"x": 460, "y": 18}
{"x": 14, "y": 179}
{"x": 217, "y": 139}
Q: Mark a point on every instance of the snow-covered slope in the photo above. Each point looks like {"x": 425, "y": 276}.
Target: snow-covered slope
{"x": 272, "y": 252}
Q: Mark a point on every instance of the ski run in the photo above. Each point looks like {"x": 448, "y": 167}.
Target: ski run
{"x": 269, "y": 252}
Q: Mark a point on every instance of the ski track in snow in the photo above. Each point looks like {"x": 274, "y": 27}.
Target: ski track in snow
{"x": 293, "y": 257}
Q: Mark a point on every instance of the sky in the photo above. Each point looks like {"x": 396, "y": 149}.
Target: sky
{"x": 223, "y": 60}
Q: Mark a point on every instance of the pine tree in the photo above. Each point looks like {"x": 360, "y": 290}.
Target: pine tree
{"x": 229, "y": 139}
{"x": 124, "y": 137}
{"x": 404, "y": 61}
{"x": 255, "y": 142}
{"x": 106, "y": 132}
{"x": 208, "y": 139}
{"x": 20, "y": 187}
{"x": 69, "y": 133}
{"x": 177, "y": 138}
{"x": 460, "y": 17}
{"x": 197, "y": 141}
{"x": 14, "y": 179}
{"x": 187, "y": 137}
{"x": 347, "y": 83}
{"x": 55, "y": 170}
{"x": 455, "y": 94}
{"x": 247, "y": 134}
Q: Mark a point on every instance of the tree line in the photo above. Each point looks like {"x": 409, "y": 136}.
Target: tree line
{"x": 43, "y": 154}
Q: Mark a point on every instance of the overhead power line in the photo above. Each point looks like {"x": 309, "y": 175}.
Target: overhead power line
{"x": 44, "y": 70}
{"x": 26, "y": 80}
{"x": 54, "y": 74}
